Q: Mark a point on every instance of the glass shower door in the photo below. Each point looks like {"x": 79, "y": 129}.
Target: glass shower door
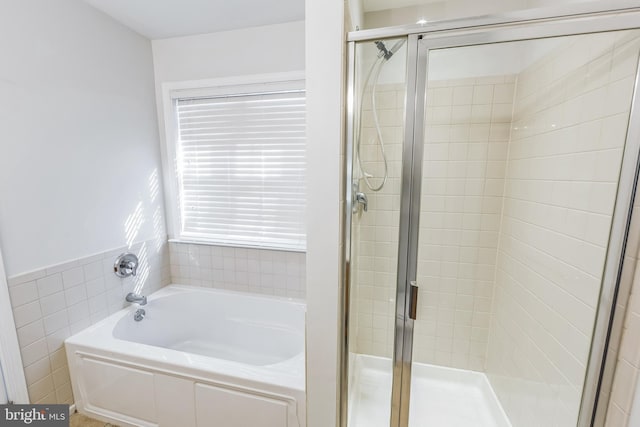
{"x": 379, "y": 88}
{"x": 521, "y": 147}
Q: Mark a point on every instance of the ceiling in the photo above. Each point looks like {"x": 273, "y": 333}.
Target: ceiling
{"x": 158, "y": 19}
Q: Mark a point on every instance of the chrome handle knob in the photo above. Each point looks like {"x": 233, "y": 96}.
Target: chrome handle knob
{"x": 361, "y": 199}
{"x": 126, "y": 265}
{"x": 139, "y": 314}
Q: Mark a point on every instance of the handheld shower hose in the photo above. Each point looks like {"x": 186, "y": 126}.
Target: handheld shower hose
{"x": 384, "y": 55}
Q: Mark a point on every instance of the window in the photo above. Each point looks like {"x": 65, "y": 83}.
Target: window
{"x": 240, "y": 165}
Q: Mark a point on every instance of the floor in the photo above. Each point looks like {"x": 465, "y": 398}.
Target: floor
{"x": 442, "y": 397}
{"x": 79, "y": 420}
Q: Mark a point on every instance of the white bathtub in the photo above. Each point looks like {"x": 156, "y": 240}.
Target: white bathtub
{"x": 200, "y": 358}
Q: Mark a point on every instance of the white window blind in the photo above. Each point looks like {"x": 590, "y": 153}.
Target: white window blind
{"x": 241, "y": 169}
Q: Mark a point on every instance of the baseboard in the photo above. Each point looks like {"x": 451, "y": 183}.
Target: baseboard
{"x": 72, "y": 409}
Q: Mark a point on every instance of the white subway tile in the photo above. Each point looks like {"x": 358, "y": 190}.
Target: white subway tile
{"x": 27, "y": 277}
{"x": 55, "y": 341}
{"x": 503, "y": 93}
{"x": 78, "y": 312}
{"x": 49, "y": 285}
{"x": 30, "y": 333}
{"x": 60, "y": 377}
{"x": 23, "y": 293}
{"x": 34, "y": 352}
{"x": 93, "y": 270}
{"x": 61, "y": 267}
{"x": 58, "y": 359}
{"x": 40, "y": 389}
{"x": 483, "y": 94}
{"x": 56, "y": 321}
{"x": 64, "y": 394}
{"x": 73, "y": 277}
{"x": 442, "y": 96}
{"x": 75, "y": 294}
{"x": 53, "y": 303}
{"x": 27, "y": 313}
{"x": 78, "y": 326}
{"x": 95, "y": 286}
{"x": 37, "y": 371}
{"x": 462, "y": 95}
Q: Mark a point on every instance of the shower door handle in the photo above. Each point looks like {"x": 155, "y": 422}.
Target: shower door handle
{"x": 413, "y": 299}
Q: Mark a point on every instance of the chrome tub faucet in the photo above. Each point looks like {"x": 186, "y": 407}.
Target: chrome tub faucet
{"x": 136, "y": 298}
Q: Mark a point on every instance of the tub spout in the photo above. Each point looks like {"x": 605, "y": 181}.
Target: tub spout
{"x": 139, "y": 299}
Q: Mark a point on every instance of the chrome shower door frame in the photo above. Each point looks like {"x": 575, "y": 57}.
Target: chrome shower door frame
{"x": 469, "y": 32}
{"x": 420, "y": 45}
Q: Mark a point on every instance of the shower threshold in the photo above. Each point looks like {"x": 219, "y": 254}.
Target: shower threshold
{"x": 440, "y": 397}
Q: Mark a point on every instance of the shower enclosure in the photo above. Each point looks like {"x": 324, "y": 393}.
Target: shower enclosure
{"x": 491, "y": 170}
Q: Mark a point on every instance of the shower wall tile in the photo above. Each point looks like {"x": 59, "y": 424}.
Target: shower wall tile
{"x": 564, "y": 155}
{"x": 264, "y": 271}
{"x": 624, "y": 348}
{"x": 464, "y": 162}
{"x": 51, "y": 304}
{"x": 375, "y": 232}
{"x": 463, "y": 180}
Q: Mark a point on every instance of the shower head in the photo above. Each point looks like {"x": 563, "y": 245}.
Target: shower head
{"x": 388, "y": 53}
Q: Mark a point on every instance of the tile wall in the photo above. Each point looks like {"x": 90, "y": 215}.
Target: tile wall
{"x": 375, "y": 232}
{"x": 623, "y": 357}
{"x": 466, "y": 139}
{"x": 53, "y": 303}
{"x": 627, "y": 353}
{"x": 624, "y": 350}
{"x": 464, "y": 162}
{"x": 262, "y": 271}
{"x": 570, "y": 118}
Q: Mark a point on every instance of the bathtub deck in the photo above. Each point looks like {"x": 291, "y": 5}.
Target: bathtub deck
{"x": 440, "y": 397}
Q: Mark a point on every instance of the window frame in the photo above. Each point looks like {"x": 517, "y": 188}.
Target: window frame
{"x": 171, "y": 92}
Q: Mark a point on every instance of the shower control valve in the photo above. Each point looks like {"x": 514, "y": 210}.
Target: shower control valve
{"x": 361, "y": 199}
{"x": 126, "y": 265}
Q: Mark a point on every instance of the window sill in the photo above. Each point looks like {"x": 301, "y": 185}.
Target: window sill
{"x": 235, "y": 245}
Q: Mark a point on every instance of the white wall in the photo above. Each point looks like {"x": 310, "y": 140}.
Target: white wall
{"x": 3, "y": 394}
{"x": 257, "y": 50}
{"x": 325, "y": 112}
{"x": 79, "y": 176}
{"x": 80, "y": 155}
{"x": 356, "y": 14}
{"x": 12, "y": 382}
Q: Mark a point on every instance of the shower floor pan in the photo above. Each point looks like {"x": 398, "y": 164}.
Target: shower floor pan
{"x": 440, "y": 397}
